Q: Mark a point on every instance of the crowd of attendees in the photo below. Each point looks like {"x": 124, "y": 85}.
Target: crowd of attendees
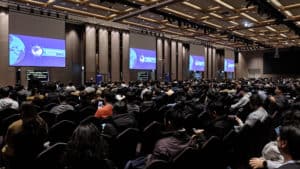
{"x": 253, "y": 123}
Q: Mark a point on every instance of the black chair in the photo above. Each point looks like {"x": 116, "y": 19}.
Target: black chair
{"x": 68, "y": 115}
{"x": 52, "y": 157}
{"x": 49, "y": 106}
{"x": 158, "y": 164}
{"x": 61, "y": 131}
{"x": 185, "y": 159}
{"x": 49, "y": 118}
{"x": 6, "y": 122}
{"x": 86, "y": 111}
{"x": 151, "y": 134}
{"x": 7, "y": 112}
{"x": 125, "y": 145}
{"x": 213, "y": 150}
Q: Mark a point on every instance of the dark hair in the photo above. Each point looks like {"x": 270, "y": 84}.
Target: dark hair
{"x": 291, "y": 134}
{"x": 120, "y": 107}
{"x": 147, "y": 95}
{"x": 218, "y": 107}
{"x": 256, "y": 100}
{"x": 85, "y": 148}
{"x": 176, "y": 117}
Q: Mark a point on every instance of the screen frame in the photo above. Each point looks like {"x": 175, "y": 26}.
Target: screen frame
{"x": 233, "y": 64}
{"x": 134, "y": 69}
{"x": 36, "y": 66}
{"x": 204, "y": 67}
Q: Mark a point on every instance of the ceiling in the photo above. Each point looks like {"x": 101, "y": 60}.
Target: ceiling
{"x": 233, "y": 23}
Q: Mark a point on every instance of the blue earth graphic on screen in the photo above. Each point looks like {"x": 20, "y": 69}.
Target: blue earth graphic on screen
{"x": 133, "y": 58}
{"x": 36, "y": 51}
{"x": 16, "y": 50}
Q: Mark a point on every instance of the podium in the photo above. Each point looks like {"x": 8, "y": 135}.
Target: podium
{"x": 99, "y": 79}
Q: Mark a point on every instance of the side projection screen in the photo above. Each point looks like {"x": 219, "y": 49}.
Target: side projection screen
{"x": 196, "y": 63}
{"x": 36, "y": 51}
{"x": 228, "y": 65}
{"x": 142, "y": 59}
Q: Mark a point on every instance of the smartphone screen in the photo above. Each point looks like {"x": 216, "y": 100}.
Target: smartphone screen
{"x": 100, "y": 103}
{"x": 277, "y": 130}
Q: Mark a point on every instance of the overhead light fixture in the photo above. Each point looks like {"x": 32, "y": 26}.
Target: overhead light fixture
{"x": 225, "y": 4}
{"x": 209, "y": 23}
{"x": 204, "y": 17}
{"x": 172, "y": 32}
{"x": 137, "y": 24}
{"x": 271, "y": 29}
{"x": 79, "y": 11}
{"x": 216, "y": 15}
{"x": 233, "y": 22}
{"x": 247, "y": 24}
{"x": 276, "y": 3}
{"x": 191, "y": 5}
{"x": 171, "y": 25}
{"x": 249, "y": 17}
{"x": 288, "y": 13}
{"x": 147, "y": 19}
{"x": 179, "y": 13}
{"x": 238, "y": 33}
{"x": 283, "y": 35}
{"x": 103, "y": 7}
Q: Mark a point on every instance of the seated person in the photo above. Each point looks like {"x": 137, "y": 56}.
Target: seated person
{"x": 259, "y": 113}
{"x": 106, "y": 110}
{"x": 288, "y": 145}
{"x": 220, "y": 124}
{"x": 167, "y": 148}
{"x": 25, "y": 138}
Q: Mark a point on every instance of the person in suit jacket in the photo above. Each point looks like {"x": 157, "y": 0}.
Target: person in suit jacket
{"x": 288, "y": 144}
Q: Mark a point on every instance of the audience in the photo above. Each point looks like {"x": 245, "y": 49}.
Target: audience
{"x": 179, "y": 107}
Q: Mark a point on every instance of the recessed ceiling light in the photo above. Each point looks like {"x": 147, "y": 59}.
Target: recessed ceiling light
{"x": 247, "y": 24}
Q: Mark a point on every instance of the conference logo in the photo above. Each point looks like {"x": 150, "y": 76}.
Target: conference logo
{"x": 36, "y": 51}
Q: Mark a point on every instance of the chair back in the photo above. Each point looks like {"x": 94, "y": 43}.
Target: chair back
{"x": 52, "y": 157}
{"x": 61, "y": 131}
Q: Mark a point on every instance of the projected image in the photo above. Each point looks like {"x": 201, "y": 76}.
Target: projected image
{"x": 36, "y": 51}
{"x": 142, "y": 59}
{"x": 228, "y": 65}
{"x": 196, "y": 63}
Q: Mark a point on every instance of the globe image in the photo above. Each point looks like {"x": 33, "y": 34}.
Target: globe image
{"x": 16, "y": 50}
{"x": 133, "y": 58}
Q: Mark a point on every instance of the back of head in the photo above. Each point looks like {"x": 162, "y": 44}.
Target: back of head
{"x": 256, "y": 101}
{"x": 85, "y": 148}
{"x": 175, "y": 118}
{"x": 120, "y": 107}
{"x": 147, "y": 95}
{"x": 4, "y": 92}
{"x": 29, "y": 110}
{"x": 291, "y": 134}
{"x": 217, "y": 107}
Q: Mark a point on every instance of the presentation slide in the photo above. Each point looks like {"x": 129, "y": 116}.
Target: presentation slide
{"x": 196, "y": 63}
{"x": 228, "y": 65}
{"x": 42, "y": 75}
{"x": 142, "y": 59}
{"x": 36, "y": 51}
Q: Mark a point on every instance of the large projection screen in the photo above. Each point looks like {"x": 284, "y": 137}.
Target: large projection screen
{"x": 142, "y": 52}
{"x": 36, "y": 41}
{"x": 196, "y": 58}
